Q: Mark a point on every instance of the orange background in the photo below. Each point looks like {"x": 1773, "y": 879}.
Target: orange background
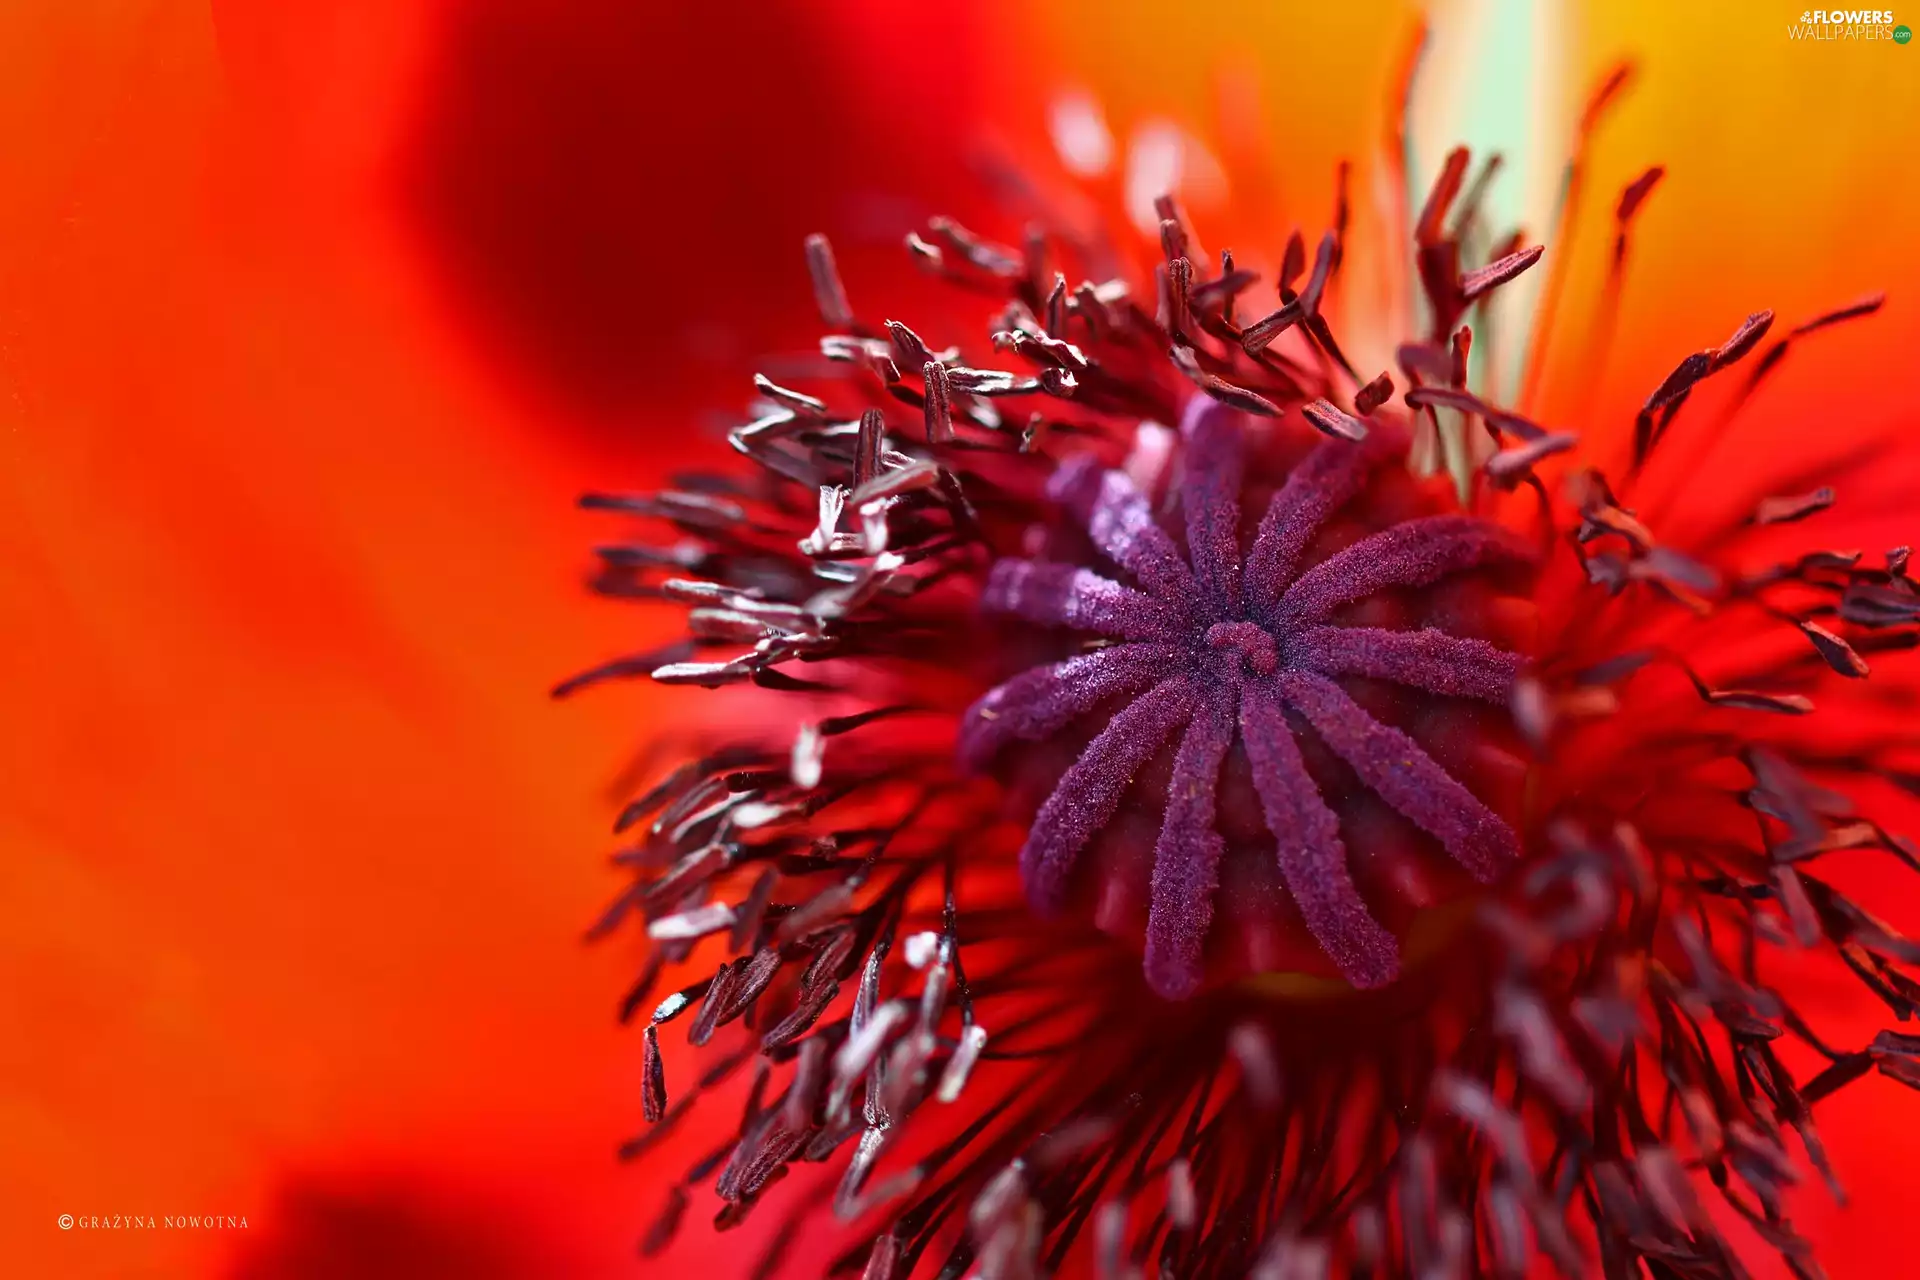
{"x": 313, "y": 318}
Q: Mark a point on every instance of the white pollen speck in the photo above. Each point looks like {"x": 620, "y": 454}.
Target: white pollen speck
{"x": 920, "y": 948}
{"x": 697, "y": 923}
{"x": 1183, "y": 1202}
{"x": 973, "y": 1040}
{"x": 809, "y": 754}
{"x": 1151, "y": 453}
{"x": 1164, "y": 159}
{"x": 1080, "y": 135}
{"x": 1153, "y": 170}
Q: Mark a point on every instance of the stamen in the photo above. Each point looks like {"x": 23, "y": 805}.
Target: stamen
{"x": 1509, "y": 466}
{"x": 1219, "y": 388}
{"x": 1179, "y": 300}
{"x": 828, "y": 293}
{"x": 939, "y": 403}
{"x": 1788, "y": 510}
{"x": 1327, "y": 419}
{"x": 1565, "y": 225}
{"x": 1475, "y": 284}
{"x": 1373, "y": 395}
{"x": 1778, "y": 351}
{"x": 871, "y": 444}
{"x": 1671, "y": 394}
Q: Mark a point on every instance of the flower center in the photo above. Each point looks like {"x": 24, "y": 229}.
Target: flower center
{"x": 1183, "y": 785}
{"x": 1258, "y": 654}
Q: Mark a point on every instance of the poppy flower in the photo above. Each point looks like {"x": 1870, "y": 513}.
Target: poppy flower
{"x": 1201, "y": 778}
{"x": 318, "y": 313}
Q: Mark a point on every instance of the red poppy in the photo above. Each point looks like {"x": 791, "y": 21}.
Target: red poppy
{"x": 319, "y": 315}
{"x": 1188, "y": 803}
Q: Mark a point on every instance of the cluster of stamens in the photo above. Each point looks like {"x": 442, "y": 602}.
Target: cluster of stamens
{"x": 1213, "y": 658}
